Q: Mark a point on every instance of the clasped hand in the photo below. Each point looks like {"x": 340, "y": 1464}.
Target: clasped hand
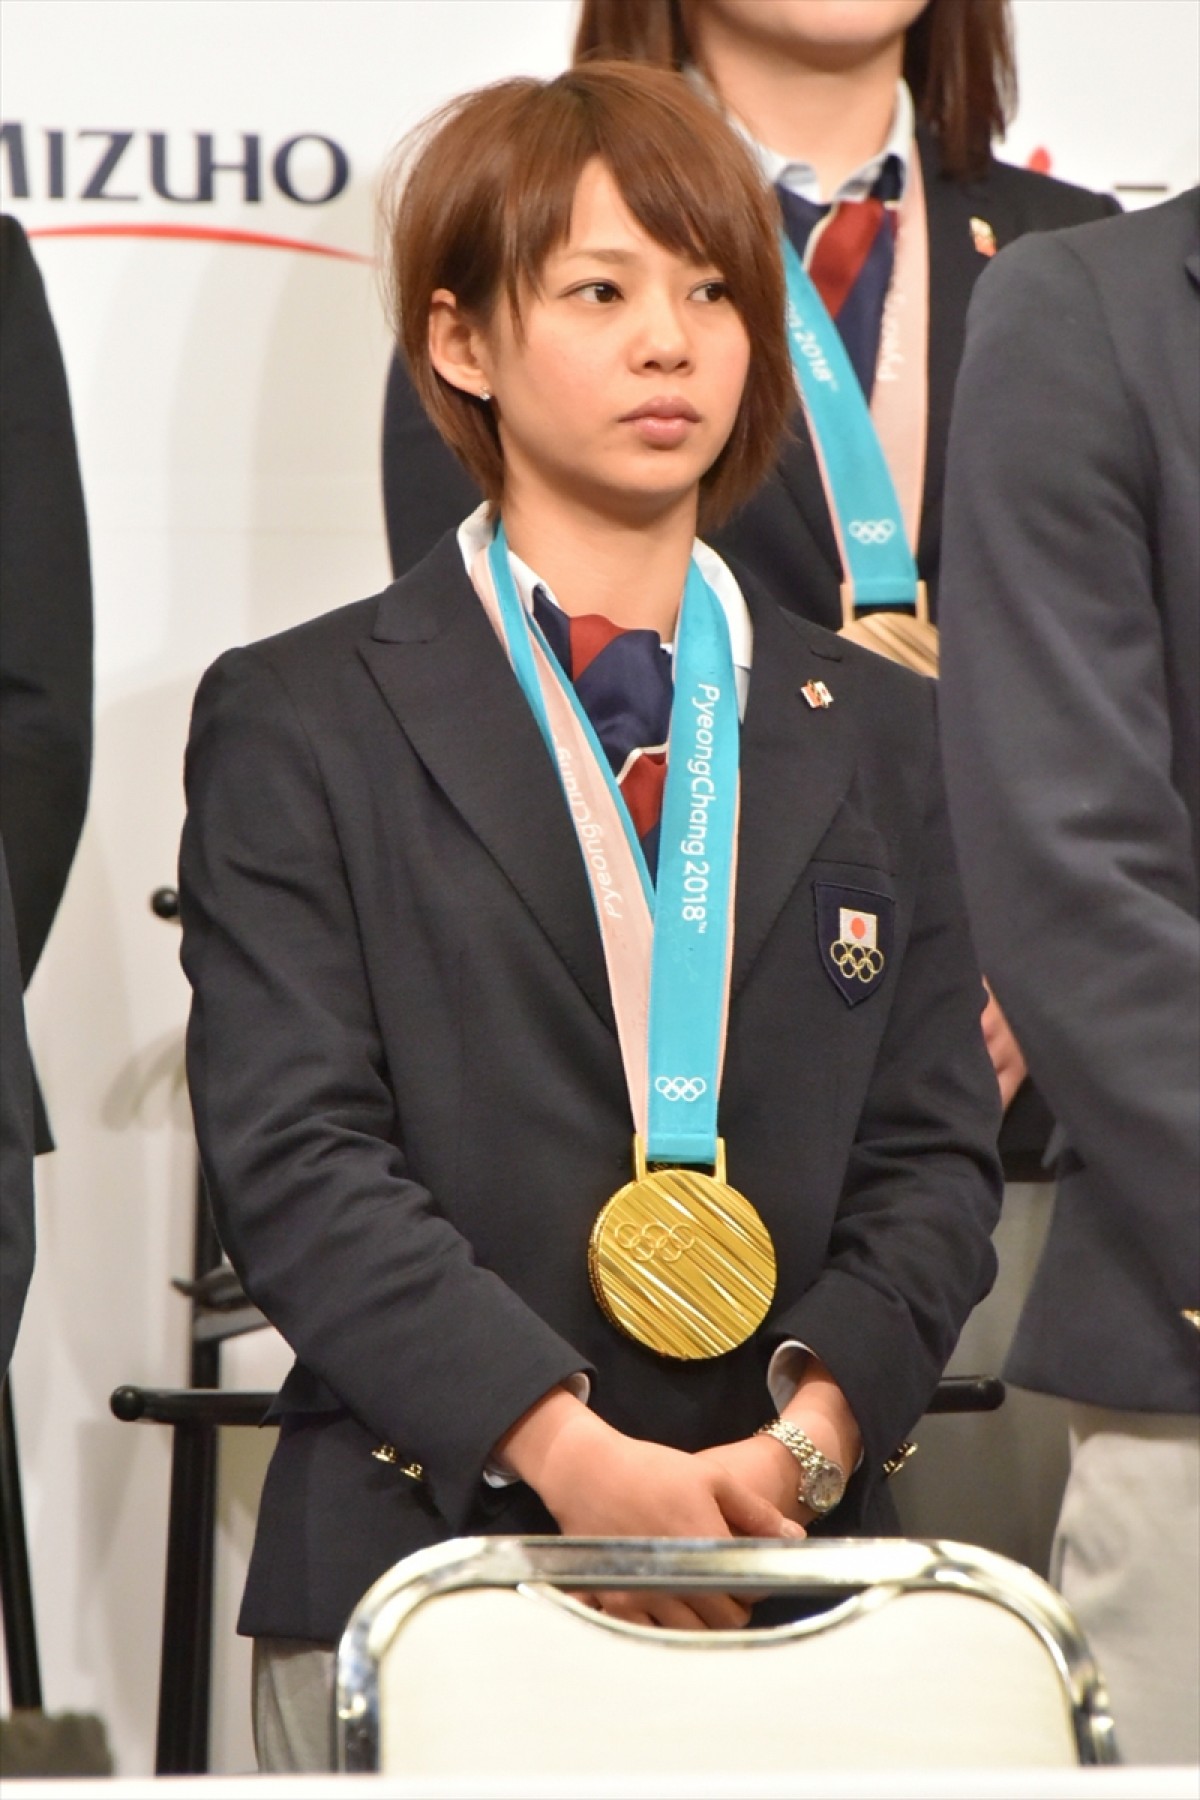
{"x": 599, "y": 1483}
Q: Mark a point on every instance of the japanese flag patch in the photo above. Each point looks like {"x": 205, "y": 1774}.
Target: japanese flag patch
{"x": 854, "y": 937}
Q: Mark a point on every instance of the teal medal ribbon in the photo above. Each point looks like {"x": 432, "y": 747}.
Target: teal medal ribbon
{"x": 692, "y": 910}
{"x": 879, "y": 564}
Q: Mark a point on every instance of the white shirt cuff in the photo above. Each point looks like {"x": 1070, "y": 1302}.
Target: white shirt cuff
{"x": 783, "y": 1374}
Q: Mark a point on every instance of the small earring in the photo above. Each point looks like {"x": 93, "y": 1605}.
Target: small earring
{"x": 485, "y": 395}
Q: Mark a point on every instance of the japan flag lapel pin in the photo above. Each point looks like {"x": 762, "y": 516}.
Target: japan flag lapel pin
{"x": 817, "y": 694}
{"x": 983, "y": 237}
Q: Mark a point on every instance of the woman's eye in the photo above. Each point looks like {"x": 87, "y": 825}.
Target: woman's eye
{"x": 599, "y": 293}
{"x": 710, "y": 291}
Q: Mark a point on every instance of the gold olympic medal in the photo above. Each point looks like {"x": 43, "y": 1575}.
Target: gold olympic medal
{"x": 904, "y": 638}
{"x": 681, "y": 1261}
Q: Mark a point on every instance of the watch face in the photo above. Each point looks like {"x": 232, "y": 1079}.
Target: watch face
{"x": 825, "y": 1489}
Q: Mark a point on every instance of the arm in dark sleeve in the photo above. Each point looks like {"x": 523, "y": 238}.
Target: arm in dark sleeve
{"x": 16, "y": 1136}
{"x": 1076, "y": 846}
{"x": 337, "y": 1242}
{"x": 45, "y": 605}
{"x": 426, "y": 490}
{"x": 910, "y": 1253}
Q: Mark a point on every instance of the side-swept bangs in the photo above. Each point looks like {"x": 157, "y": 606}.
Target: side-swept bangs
{"x": 486, "y": 194}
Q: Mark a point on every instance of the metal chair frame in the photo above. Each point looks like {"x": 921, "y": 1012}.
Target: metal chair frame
{"x": 857, "y": 1572}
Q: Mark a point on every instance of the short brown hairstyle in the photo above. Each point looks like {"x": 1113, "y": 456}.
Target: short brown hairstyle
{"x": 487, "y": 194}
{"x": 958, "y": 61}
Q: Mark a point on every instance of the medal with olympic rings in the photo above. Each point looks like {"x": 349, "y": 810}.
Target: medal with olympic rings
{"x": 681, "y": 1261}
{"x": 678, "y": 1259}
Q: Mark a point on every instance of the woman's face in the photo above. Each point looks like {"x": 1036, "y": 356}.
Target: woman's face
{"x": 623, "y": 382}
{"x": 827, "y": 31}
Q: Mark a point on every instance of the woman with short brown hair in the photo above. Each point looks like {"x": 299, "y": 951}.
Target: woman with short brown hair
{"x": 584, "y": 1049}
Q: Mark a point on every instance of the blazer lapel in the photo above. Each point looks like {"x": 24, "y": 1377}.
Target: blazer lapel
{"x": 797, "y": 761}
{"x": 448, "y": 682}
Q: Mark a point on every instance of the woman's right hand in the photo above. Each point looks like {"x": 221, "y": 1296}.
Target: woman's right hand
{"x": 599, "y": 1483}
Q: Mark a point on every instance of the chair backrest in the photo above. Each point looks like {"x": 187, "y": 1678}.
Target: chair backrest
{"x": 474, "y": 1659}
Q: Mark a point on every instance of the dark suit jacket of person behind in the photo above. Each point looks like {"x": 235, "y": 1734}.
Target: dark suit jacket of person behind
{"x": 16, "y": 1134}
{"x": 45, "y": 612}
{"x": 409, "y": 1095}
{"x": 1071, "y": 701}
{"x": 784, "y": 534}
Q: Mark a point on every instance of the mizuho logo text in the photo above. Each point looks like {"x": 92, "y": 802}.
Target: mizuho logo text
{"x": 184, "y": 168}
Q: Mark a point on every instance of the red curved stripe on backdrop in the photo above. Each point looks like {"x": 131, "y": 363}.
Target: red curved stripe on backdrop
{"x": 215, "y": 234}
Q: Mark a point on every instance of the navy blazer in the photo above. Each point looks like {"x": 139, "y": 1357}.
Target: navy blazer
{"x": 784, "y": 534}
{"x": 409, "y": 1094}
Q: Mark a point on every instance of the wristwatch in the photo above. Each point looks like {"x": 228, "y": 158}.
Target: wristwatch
{"x": 822, "y": 1482}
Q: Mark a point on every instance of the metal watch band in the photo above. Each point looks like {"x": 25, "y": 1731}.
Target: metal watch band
{"x": 822, "y": 1482}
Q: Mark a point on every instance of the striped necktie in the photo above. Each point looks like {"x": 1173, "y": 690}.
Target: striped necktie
{"x": 849, "y": 250}
{"x": 625, "y": 683}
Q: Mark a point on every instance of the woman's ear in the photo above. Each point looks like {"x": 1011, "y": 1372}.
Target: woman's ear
{"x": 456, "y": 346}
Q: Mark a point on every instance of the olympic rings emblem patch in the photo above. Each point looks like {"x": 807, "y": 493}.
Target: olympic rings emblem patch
{"x": 854, "y": 937}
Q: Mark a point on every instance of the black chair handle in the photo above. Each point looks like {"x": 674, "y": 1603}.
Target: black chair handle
{"x": 967, "y": 1394}
{"x": 164, "y": 903}
{"x": 190, "y": 1406}
{"x": 234, "y": 1406}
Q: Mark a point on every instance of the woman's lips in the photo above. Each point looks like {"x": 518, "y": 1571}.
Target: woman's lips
{"x": 663, "y": 421}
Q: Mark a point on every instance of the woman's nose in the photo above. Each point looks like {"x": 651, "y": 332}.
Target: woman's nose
{"x": 663, "y": 340}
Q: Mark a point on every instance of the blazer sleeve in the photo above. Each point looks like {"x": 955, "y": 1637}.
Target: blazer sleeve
{"x": 426, "y": 490}
{"x": 910, "y": 1252}
{"x": 343, "y": 1250}
{"x": 45, "y": 605}
{"x": 1076, "y": 844}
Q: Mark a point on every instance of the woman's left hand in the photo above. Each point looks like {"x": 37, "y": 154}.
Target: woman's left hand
{"x": 766, "y": 1467}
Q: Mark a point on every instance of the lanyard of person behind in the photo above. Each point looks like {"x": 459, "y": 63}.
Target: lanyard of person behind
{"x": 866, "y": 454}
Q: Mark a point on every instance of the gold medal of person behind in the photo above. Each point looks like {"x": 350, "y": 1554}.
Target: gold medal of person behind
{"x": 681, "y": 1261}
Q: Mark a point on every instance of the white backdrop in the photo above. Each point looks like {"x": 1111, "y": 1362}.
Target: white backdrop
{"x": 227, "y": 398}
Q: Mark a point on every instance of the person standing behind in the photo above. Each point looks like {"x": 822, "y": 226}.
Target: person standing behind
{"x": 45, "y": 614}
{"x": 1071, "y": 714}
{"x": 836, "y": 98}
{"x": 16, "y": 1135}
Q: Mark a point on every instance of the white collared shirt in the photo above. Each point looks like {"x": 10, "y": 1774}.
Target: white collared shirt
{"x": 799, "y": 177}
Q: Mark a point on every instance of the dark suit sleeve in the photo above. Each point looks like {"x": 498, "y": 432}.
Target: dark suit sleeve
{"x": 910, "y": 1253}
{"x": 426, "y": 490}
{"x": 346, "y": 1254}
{"x": 16, "y": 1136}
{"x": 1075, "y": 843}
{"x": 45, "y": 605}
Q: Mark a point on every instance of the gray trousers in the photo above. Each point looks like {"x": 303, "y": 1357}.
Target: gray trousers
{"x": 1127, "y": 1561}
{"x": 293, "y": 1706}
